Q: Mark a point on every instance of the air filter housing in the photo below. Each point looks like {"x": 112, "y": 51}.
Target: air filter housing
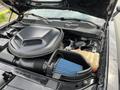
{"x": 35, "y": 41}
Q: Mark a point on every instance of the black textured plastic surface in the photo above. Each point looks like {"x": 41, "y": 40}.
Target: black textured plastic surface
{"x": 35, "y": 41}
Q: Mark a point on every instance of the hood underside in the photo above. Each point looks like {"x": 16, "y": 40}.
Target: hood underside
{"x": 99, "y": 8}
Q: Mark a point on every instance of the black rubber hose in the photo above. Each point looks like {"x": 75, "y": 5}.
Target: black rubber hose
{"x": 32, "y": 64}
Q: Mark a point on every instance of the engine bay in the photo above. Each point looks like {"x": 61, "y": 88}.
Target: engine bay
{"x": 54, "y": 52}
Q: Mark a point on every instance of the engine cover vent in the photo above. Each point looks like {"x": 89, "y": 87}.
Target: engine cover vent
{"x": 35, "y": 41}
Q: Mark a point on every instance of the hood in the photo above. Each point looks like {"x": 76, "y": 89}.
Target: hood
{"x": 98, "y": 8}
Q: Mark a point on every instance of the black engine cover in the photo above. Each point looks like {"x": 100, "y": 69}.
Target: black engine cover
{"x": 35, "y": 41}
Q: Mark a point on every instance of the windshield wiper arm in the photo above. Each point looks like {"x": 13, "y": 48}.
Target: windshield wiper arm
{"x": 40, "y": 17}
